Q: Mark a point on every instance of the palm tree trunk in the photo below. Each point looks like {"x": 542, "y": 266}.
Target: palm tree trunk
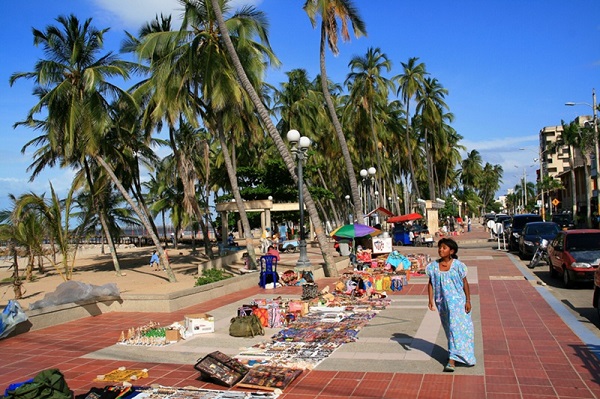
{"x": 334, "y": 208}
{"x": 100, "y": 212}
{"x": 111, "y": 245}
{"x": 588, "y": 190}
{"x": 231, "y": 173}
{"x": 30, "y": 264}
{"x": 143, "y": 218}
{"x": 411, "y": 164}
{"x": 573, "y": 188}
{"x": 430, "y": 168}
{"x": 329, "y": 266}
{"x": 162, "y": 214}
{"x": 337, "y": 126}
{"x": 188, "y": 178}
{"x": 17, "y": 283}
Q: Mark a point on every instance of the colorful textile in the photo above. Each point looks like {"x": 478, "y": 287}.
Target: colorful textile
{"x": 450, "y": 301}
{"x": 395, "y": 259}
{"x": 121, "y": 375}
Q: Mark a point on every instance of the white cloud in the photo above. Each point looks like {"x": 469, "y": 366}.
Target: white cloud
{"x": 134, "y": 13}
{"x": 500, "y": 144}
{"x": 61, "y": 180}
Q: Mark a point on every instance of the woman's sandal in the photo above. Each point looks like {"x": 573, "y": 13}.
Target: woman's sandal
{"x": 449, "y": 368}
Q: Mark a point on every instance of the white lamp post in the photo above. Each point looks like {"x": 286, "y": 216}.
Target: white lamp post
{"x": 363, "y": 174}
{"x": 349, "y": 209}
{"x": 596, "y": 149}
{"x": 540, "y": 159}
{"x": 299, "y": 148}
{"x": 370, "y": 182}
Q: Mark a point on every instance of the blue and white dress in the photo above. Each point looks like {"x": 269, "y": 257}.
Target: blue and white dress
{"x": 450, "y": 301}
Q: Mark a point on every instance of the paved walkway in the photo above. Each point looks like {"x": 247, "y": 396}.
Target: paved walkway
{"x": 525, "y": 348}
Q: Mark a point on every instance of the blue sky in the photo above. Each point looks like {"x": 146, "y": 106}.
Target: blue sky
{"x": 509, "y": 65}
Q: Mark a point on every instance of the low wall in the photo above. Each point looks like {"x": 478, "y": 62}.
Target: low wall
{"x": 170, "y": 302}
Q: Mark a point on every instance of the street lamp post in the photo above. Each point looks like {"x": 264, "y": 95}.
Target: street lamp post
{"x": 363, "y": 174}
{"x": 368, "y": 178}
{"x": 596, "y": 149}
{"x": 349, "y": 209}
{"x": 299, "y": 148}
{"x": 541, "y": 161}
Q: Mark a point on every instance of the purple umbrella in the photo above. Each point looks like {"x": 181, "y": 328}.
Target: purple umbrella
{"x": 354, "y": 230}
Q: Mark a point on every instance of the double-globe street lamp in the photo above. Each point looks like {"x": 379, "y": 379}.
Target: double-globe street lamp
{"x": 368, "y": 178}
{"x": 299, "y": 149}
{"x": 594, "y": 107}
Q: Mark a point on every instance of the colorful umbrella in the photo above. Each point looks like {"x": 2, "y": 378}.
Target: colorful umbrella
{"x": 404, "y": 218}
{"x": 354, "y": 230}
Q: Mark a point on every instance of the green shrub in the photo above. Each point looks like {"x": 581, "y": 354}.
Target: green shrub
{"x": 211, "y": 276}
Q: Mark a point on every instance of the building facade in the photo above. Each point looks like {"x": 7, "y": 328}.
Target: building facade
{"x": 568, "y": 165}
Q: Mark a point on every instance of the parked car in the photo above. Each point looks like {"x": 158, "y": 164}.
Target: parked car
{"x": 596, "y": 298}
{"x": 517, "y": 222}
{"x": 500, "y": 217}
{"x": 532, "y": 235}
{"x": 575, "y": 255}
{"x": 564, "y": 220}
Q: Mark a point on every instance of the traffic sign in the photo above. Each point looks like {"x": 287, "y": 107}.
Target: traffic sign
{"x": 555, "y": 202}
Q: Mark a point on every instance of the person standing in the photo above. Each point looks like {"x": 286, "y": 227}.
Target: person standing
{"x": 154, "y": 261}
{"x": 265, "y": 240}
{"x": 282, "y": 232}
{"x": 449, "y": 292}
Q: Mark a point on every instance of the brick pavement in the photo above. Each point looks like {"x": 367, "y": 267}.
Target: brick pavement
{"x": 528, "y": 350}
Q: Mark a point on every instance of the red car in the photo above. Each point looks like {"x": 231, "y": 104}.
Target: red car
{"x": 575, "y": 255}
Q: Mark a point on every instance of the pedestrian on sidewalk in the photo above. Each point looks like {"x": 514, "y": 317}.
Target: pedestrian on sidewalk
{"x": 449, "y": 292}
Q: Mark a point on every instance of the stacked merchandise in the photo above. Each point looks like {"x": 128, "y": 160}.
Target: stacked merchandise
{"x": 150, "y": 334}
{"x": 418, "y": 262}
{"x": 371, "y": 284}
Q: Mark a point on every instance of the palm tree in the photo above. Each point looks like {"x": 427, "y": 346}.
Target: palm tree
{"x": 73, "y": 88}
{"x": 329, "y": 266}
{"x": 332, "y": 11}
{"x": 57, "y": 216}
{"x": 21, "y": 229}
{"x": 581, "y": 139}
{"x": 409, "y": 83}
{"x": 430, "y": 106}
{"x": 168, "y": 95}
{"x": 297, "y": 103}
{"x": 489, "y": 183}
{"x": 368, "y": 93}
{"x": 223, "y": 100}
{"x": 471, "y": 170}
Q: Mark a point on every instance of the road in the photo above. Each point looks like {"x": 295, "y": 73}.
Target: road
{"x": 577, "y": 299}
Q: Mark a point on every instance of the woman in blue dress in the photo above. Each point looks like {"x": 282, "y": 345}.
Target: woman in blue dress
{"x": 449, "y": 292}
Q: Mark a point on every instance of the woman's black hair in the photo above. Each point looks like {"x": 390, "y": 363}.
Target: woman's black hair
{"x": 450, "y": 243}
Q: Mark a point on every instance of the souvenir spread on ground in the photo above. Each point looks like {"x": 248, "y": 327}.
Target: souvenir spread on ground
{"x": 311, "y": 330}
{"x": 162, "y": 392}
{"x": 122, "y": 375}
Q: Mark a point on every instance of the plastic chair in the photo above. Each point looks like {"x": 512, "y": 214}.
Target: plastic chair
{"x": 268, "y": 270}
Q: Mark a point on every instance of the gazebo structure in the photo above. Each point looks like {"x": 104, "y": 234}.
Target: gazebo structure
{"x": 265, "y": 207}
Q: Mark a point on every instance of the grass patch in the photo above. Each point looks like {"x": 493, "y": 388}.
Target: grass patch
{"x": 211, "y": 276}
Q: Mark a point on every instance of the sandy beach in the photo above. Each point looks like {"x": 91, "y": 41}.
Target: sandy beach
{"x": 93, "y": 267}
